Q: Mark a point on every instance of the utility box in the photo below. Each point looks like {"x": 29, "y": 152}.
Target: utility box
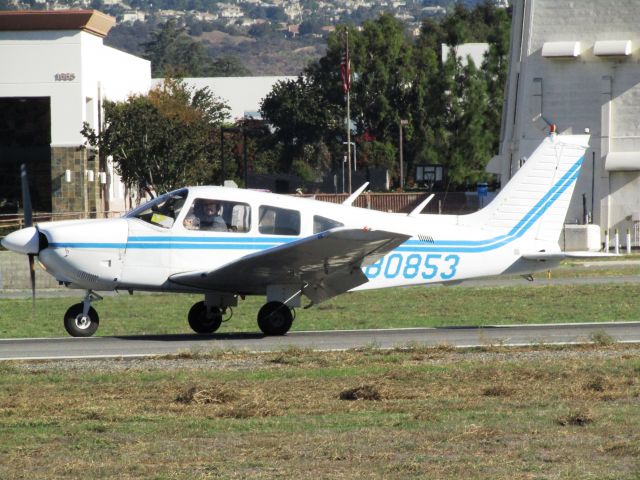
{"x": 581, "y": 238}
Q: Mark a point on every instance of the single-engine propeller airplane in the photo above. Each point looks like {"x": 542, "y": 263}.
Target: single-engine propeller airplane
{"x": 226, "y": 243}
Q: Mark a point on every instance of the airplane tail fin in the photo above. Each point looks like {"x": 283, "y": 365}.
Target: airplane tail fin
{"x": 534, "y": 204}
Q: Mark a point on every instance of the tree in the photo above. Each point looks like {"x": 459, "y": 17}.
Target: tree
{"x": 470, "y": 143}
{"x": 172, "y": 52}
{"x": 163, "y": 139}
{"x": 383, "y": 55}
{"x": 495, "y": 68}
{"x": 300, "y": 115}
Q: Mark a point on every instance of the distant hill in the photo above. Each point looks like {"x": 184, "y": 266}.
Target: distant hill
{"x": 272, "y": 54}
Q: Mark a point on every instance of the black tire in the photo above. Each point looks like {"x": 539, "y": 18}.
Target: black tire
{"x": 202, "y": 323}
{"x": 78, "y": 325}
{"x": 275, "y": 318}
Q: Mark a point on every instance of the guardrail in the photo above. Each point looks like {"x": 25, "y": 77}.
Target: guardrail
{"x": 15, "y": 221}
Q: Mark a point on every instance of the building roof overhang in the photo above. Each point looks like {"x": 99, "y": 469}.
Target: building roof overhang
{"x": 91, "y": 21}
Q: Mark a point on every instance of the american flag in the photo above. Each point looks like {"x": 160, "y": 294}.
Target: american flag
{"x": 345, "y": 70}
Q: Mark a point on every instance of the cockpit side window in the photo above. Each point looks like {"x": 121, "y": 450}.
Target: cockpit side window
{"x": 279, "y": 221}
{"x": 218, "y": 216}
{"x": 161, "y": 211}
{"x": 321, "y": 224}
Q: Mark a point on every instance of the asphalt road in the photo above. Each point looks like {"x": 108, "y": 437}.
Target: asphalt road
{"x": 150, "y": 345}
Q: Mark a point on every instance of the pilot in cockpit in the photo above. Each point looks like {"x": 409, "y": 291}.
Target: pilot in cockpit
{"x": 205, "y": 215}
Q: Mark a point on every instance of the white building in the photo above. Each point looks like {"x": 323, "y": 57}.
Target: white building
{"x": 576, "y": 64}
{"x": 243, "y": 94}
{"x": 466, "y": 51}
{"x": 55, "y": 74}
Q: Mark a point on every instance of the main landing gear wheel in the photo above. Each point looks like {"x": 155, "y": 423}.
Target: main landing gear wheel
{"x": 202, "y": 321}
{"x": 275, "y": 318}
{"x": 77, "y": 324}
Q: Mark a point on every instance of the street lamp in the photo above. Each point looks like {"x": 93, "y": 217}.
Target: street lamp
{"x": 355, "y": 156}
{"x": 402, "y": 123}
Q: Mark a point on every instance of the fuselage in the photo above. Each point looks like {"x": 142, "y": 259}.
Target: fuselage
{"x": 143, "y": 249}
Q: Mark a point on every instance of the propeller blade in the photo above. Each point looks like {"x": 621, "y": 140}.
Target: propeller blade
{"x": 32, "y": 274}
{"x": 26, "y": 197}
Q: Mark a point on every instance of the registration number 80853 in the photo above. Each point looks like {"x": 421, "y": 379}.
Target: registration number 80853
{"x": 414, "y": 266}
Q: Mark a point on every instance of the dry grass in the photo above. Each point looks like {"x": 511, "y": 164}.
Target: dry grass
{"x": 423, "y": 413}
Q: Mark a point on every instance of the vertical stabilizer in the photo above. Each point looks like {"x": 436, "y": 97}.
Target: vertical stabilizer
{"x": 534, "y": 203}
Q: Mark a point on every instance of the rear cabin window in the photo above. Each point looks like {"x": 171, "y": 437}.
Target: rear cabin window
{"x": 218, "y": 216}
{"x": 320, "y": 224}
{"x": 279, "y": 221}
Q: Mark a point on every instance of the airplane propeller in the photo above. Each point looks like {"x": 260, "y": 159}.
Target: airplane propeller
{"x": 28, "y": 222}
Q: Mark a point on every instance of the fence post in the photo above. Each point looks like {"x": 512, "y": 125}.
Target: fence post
{"x": 628, "y": 241}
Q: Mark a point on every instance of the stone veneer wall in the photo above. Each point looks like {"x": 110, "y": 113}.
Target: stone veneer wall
{"x": 79, "y": 195}
{"x": 14, "y": 273}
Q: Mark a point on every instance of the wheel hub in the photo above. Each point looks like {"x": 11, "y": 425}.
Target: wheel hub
{"x": 83, "y": 321}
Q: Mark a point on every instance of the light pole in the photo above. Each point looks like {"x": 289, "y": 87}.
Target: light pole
{"x": 344, "y": 160}
{"x": 402, "y": 123}
{"x": 355, "y": 155}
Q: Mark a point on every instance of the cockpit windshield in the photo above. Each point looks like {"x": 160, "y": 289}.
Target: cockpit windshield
{"x": 161, "y": 211}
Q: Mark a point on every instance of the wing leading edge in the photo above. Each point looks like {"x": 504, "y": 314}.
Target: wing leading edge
{"x": 323, "y": 265}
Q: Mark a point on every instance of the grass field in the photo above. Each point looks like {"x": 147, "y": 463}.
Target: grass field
{"x": 491, "y": 413}
{"x": 419, "y": 306}
{"x": 570, "y": 413}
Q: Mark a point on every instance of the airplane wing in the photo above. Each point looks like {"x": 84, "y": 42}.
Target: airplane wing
{"x": 324, "y": 265}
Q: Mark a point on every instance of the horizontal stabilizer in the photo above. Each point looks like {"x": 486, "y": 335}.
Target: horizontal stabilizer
{"x": 550, "y": 256}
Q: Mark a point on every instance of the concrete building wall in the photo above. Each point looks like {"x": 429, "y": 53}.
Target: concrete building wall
{"x": 587, "y": 91}
{"x": 30, "y": 62}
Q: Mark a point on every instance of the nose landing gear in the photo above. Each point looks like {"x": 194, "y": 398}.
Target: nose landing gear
{"x": 81, "y": 319}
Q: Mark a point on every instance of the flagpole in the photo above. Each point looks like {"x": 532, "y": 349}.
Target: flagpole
{"x": 348, "y": 112}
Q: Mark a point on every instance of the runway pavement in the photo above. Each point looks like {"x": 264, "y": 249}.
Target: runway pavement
{"x": 152, "y": 345}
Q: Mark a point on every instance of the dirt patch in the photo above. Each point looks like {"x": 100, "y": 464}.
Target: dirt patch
{"x": 497, "y": 391}
{"x": 579, "y": 418}
{"x": 597, "y": 384}
{"x": 364, "y": 392}
{"x": 229, "y": 401}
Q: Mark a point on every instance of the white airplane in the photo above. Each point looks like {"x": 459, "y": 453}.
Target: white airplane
{"x": 286, "y": 247}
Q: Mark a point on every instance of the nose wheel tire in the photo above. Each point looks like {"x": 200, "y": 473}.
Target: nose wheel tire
{"x": 202, "y": 321}
{"x": 77, "y": 324}
{"x": 275, "y": 318}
